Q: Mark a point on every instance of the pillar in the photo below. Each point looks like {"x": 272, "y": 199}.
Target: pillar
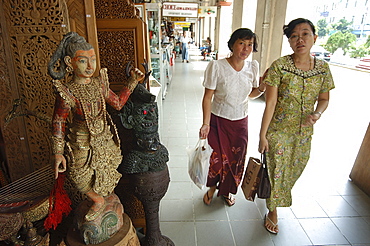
{"x": 269, "y": 29}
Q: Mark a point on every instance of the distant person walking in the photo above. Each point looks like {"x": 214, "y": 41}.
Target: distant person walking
{"x": 185, "y": 41}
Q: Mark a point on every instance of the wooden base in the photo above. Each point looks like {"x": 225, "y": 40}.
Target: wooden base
{"x": 125, "y": 236}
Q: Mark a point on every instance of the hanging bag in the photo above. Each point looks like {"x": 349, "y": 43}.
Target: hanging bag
{"x": 264, "y": 186}
{"x": 250, "y": 179}
{"x": 198, "y": 165}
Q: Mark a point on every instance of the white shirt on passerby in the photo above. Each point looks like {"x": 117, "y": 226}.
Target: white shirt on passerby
{"x": 232, "y": 88}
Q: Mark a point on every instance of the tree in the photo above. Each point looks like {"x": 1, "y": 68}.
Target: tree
{"x": 322, "y": 28}
{"x": 340, "y": 40}
{"x": 343, "y": 25}
{"x": 367, "y": 44}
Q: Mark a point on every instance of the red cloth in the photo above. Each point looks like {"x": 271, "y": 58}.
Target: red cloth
{"x": 59, "y": 204}
{"x": 228, "y": 140}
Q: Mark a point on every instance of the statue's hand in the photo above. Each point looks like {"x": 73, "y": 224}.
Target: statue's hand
{"x": 136, "y": 76}
{"x": 60, "y": 164}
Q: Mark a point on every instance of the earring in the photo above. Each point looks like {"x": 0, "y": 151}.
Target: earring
{"x": 69, "y": 69}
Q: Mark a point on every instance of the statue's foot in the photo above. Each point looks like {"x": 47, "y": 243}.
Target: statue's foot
{"x": 95, "y": 210}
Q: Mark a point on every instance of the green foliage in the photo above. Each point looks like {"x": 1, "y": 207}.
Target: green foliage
{"x": 343, "y": 25}
{"x": 322, "y": 28}
{"x": 340, "y": 40}
{"x": 360, "y": 51}
{"x": 367, "y": 44}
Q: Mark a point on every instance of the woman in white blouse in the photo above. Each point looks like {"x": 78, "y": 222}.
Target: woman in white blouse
{"x": 228, "y": 84}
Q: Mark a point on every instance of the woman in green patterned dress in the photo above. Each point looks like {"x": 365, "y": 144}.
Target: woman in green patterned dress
{"x": 297, "y": 95}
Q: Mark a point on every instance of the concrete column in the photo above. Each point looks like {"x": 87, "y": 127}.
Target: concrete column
{"x": 269, "y": 29}
{"x": 238, "y": 7}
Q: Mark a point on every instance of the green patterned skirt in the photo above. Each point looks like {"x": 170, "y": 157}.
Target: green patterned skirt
{"x": 287, "y": 158}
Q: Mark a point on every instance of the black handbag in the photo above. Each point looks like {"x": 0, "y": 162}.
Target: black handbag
{"x": 264, "y": 187}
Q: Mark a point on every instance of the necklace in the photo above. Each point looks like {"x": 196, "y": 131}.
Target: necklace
{"x": 306, "y": 65}
{"x": 237, "y": 67}
{"x": 93, "y": 106}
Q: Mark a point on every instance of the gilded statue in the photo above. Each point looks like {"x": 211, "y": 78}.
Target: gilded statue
{"x": 84, "y": 139}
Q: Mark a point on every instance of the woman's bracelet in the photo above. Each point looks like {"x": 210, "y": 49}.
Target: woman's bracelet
{"x": 317, "y": 112}
{"x": 204, "y": 124}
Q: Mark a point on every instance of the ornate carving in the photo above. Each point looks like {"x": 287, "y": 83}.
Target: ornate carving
{"x": 105, "y": 225}
{"x": 34, "y": 29}
{"x": 76, "y": 14}
{"x": 116, "y": 54}
{"x": 146, "y": 163}
{"x": 115, "y": 9}
{"x": 10, "y": 224}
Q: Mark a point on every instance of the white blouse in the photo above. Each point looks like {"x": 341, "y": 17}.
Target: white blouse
{"x": 231, "y": 88}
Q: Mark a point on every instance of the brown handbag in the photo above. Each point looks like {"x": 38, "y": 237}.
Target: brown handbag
{"x": 250, "y": 179}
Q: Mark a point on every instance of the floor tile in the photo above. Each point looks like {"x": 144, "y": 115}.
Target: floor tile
{"x": 179, "y": 174}
{"x": 177, "y": 161}
{"x": 178, "y": 191}
{"x": 322, "y": 231}
{"x": 290, "y": 233}
{"x": 214, "y": 233}
{"x": 307, "y": 207}
{"x": 181, "y": 233}
{"x": 176, "y": 210}
{"x": 243, "y": 210}
{"x": 251, "y": 233}
{"x": 214, "y": 212}
{"x": 336, "y": 206}
{"x": 361, "y": 203}
{"x": 356, "y": 230}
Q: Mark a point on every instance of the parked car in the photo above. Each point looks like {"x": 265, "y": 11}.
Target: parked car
{"x": 320, "y": 52}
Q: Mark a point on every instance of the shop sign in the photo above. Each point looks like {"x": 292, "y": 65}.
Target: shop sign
{"x": 178, "y": 18}
{"x": 182, "y": 24}
{"x": 180, "y": 9}
{"x": 210, "y": 11}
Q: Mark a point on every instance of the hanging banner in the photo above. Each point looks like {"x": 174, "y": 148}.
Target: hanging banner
{"x": 174, "y": 9}
{"x": 210, "y": 11}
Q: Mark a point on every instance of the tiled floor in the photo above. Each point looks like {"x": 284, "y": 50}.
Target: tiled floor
{"x": 328, "y": 209}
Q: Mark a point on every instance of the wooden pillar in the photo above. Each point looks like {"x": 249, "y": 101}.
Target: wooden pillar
{"x": 360, "y": 173}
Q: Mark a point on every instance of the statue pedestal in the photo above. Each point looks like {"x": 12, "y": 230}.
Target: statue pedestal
{"x": 125, "y": 236}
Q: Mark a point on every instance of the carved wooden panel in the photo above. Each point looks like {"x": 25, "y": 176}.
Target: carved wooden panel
{"x": 121, "y": 38}
{"x": 30, "y": 32}
{"x": 115, "y": 9}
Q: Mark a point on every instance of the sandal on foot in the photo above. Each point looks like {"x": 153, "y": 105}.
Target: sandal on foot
{"x": 230, "y": 200}
{"x": 206, "y": 199}
{"x": 275, "y": 230}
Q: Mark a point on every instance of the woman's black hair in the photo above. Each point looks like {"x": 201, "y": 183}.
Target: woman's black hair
{"x": 70, "y": 43}
{"x": 288, "y": 29}
{"x": 243, "y": 34}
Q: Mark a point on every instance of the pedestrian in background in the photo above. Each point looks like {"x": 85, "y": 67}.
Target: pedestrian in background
{"x": 185, "y": 42}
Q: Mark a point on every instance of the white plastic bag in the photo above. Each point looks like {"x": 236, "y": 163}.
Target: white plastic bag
{"x": 199, "y": 162}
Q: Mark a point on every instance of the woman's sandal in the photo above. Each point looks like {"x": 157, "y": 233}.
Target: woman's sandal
{"x": 230, "y": 200}
{"x": 206, "y": 199}
{"x": 275, "y": 230}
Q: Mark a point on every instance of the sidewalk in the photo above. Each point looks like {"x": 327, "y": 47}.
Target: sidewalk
{"x": 327, "y": 208}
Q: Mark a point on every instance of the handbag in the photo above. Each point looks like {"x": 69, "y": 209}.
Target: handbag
{"x": 250, "y": 179}
{"x": 198, "y": 164}
{"x": 264, "y": 185}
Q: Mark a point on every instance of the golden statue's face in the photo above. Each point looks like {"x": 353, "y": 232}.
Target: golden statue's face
{"x": 84, "y": 63}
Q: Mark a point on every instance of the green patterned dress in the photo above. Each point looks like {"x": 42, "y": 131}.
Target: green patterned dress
{"x": 289, "y": 142}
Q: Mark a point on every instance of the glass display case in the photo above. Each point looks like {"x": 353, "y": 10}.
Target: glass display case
{"x": 159, "y": 56}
